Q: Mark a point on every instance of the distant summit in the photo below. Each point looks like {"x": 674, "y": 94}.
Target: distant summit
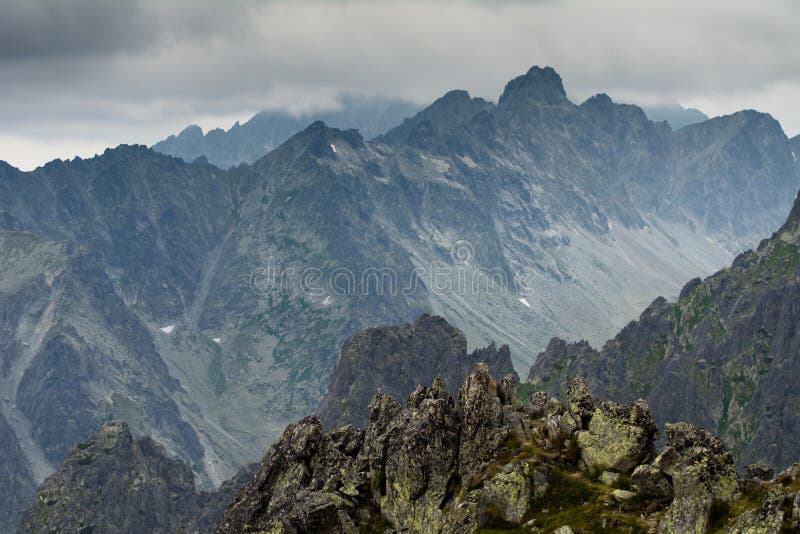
{"x": 245, "y": 143}
{"x": 538, "y": 84}
{"x": 450, "y": 111}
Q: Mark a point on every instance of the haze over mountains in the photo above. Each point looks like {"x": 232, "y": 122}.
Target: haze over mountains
{"x": 206, "y": 307}
{"x": 250, "y": 141}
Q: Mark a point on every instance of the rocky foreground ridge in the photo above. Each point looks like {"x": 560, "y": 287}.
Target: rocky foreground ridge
{"x": 491, "y": 463}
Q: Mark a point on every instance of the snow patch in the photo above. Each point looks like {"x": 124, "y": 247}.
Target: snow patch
{"x": 524, "y": 301}
{"x": 333, "y": 147}
{"x": 217, "y": 340}
{"x": 327, "y": 301}
{"x": 167, "y": 329}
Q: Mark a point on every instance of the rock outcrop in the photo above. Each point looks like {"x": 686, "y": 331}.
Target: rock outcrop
{"x": 117, "y": 484}
{"x": 397, "y": 359}
{"x": 488, "y": 462}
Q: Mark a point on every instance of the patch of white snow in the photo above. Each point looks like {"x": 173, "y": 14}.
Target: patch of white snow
{"x": 167, "y": 329}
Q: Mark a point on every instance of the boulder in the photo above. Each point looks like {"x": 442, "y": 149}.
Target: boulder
{"x": 609, "y": 478}
{"x": 767, "y": 519}
{"x": 621, "y": 495}
{"x": 579, "y": 401}
{"x": 618, "y": 437}
{"x": 702, "y": 472}
{"x": 651, "y": 481}
{"x": 758, "y": 472}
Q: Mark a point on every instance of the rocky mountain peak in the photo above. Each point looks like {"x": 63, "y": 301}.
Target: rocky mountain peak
{"x": 192, "y": 132}
{"x": 453, "y": 109}
{"x": 319, "y": 140}
{"x": 600, "y": 100}
{"x": 538, "y": 84}
{"x": 113, "y": 482}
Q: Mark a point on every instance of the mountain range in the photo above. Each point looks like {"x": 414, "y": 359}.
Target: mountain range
{"x": 206, "y": 307}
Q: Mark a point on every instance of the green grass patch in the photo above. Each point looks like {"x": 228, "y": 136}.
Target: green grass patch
{"x": 581, "y": 504}
{"x": 85, "y": 459}
{"x": 782, "y": 258}
{"x": 525, "y": 391}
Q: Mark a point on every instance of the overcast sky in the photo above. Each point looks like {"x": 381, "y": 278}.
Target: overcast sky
{"x": 77, "y": 76}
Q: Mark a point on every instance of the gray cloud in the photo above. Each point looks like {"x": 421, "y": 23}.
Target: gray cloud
{"x": 89, "y": 73}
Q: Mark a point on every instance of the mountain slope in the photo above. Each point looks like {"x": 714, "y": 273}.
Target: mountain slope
{"x": 723, "y": 356}
{"x": 18, "y": 483}
{"x": 246, "y": 143}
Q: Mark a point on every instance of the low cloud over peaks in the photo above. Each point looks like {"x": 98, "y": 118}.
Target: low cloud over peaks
{"x": 86, "y": 73}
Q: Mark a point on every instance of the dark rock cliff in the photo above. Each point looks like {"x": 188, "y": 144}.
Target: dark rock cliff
{"x": 397, "y": 359}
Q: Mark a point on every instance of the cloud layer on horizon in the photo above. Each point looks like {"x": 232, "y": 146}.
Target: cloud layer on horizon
{"x": 85, "y": 74}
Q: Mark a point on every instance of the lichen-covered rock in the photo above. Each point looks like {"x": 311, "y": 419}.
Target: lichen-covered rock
{"x": 609, "y": 478}
{"x": 651, "y": 481}
{"x": 303, "y": 483}
{"x": 767, "y": 519}
{"x": 618, "y": 437}
{"x": 542, "y": 404}
{"x": 579, "y": 401}
{"x": 482, "y": 421}
{"x": 422, "y": 468}
{"x": 621, "y": 495}
{"x": 758, "y": 472}
{"x": 421, "y": 461}
{"x": 702, "y": 472}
